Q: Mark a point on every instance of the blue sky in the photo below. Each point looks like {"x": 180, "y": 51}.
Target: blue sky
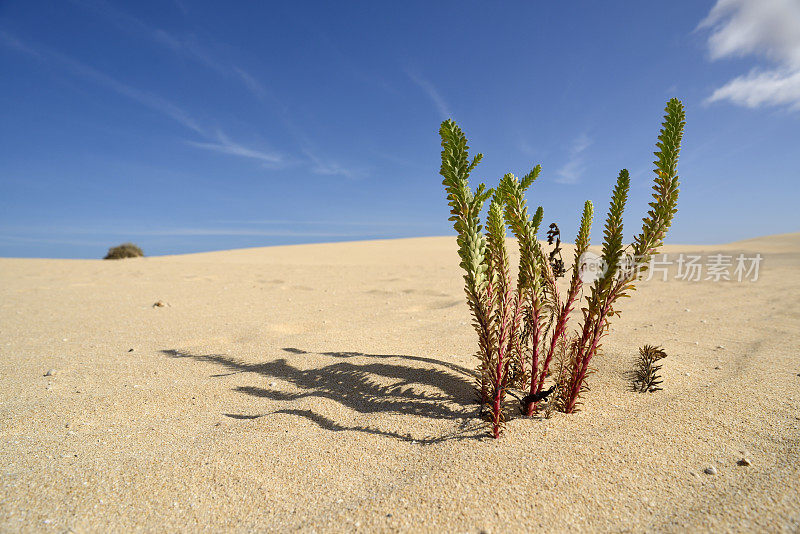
{"x": 189, "y": 126}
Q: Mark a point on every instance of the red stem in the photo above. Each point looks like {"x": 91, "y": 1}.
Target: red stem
{"x": 536, "y": 331}
{"x": 485, "y": 336}
{"x": 501, "y": 353}
{"x": 561, "y": 328}
{"x": 595, "y": 328}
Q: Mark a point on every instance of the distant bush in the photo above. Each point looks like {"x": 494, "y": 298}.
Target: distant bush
{"x": 125, "y": 250}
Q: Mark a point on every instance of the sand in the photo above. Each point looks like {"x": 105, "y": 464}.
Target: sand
{"x": 328, "y": 388}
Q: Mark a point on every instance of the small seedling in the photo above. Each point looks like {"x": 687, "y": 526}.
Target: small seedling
{"x": 645, "y": 377}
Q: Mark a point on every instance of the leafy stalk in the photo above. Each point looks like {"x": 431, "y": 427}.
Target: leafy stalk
{"x": 507, "y": 314}
{"x": 599, "y": 303}
{"x": 465, "y": 207}
{"x": 576, "y": 283}
{"x": 616, "y": 283}
{"x": 530, "y": 286}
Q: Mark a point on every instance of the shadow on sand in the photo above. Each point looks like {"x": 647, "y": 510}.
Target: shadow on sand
{"x": 439, "y": 390}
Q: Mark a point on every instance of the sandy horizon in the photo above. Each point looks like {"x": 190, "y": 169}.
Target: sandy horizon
{"x": 770, "y": 241}
{"x": 328, "y": 388}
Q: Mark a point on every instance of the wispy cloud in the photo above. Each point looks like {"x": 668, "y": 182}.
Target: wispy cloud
{"x": 16, "y": 239}
{"x": 237, "y": 232}
{"x": 526, "y": 148}
{"x": 762, "y": 28}
{"x": 218, "y": 141}
{"x": 573, "y": 170}
{"x": 147, "y": 99}
{"x": 12, "y": 42}
{"x": 252, "y": 84}
{"x": 433, "y": 94}
{"x": 29, "y": 234}
{"x": 225, "y": 146}
{"x": 581, "y": 143}
{"x": 81, "y": 70}
{"x": 188, "y": 46}
{"x": 329, "y": 168}
{"x": 182, "y": 7}
{"x": 328, "y": 223}
{"x": 83, "y": 235}
{"x": 317, "y": 164}
{"x": 185, "y": 46}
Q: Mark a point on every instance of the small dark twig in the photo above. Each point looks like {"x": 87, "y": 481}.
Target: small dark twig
{"x": 555, "y": 259}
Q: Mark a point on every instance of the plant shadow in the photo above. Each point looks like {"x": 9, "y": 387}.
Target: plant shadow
{"x": 364, "y": 383}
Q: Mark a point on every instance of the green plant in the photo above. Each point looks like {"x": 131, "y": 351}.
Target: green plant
{"x": 125, "y": 250}
{"x": 644, "y": 376}
{"x": 485, "y": 262}
{"x": 523, "y": 327}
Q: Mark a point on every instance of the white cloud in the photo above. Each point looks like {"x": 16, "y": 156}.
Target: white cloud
{"x": 572, "y": 171}
{"x": 139, "y": 233}
{"x": 253, "y": 85}
{"x": 758, "y": 89}
{"x": 333, "y": 169}
{"x": 433, "y": 94}
{"x": 329, "y": 168}
{"x": 150, "y": 100}
{"x": 182, "y": 7}
{"x": 581, "y": 143}
{"x": 218, "y": 142}
{"x": 226, "y": 146}
{"x": 154, "y": 102}
{"x": 743, "y": 27}
{"x": 12, "y": 42}
{"x": 764, "y": 28}
{"x": 236, "y": 232}
{"x": 327, "y": 223}
{"x": 186, "y": 45}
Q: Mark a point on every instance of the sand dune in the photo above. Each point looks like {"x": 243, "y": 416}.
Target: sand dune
{"x": 328, "y": 388}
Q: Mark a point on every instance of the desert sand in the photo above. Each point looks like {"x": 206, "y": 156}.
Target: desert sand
{"x": 328, "y": 388}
